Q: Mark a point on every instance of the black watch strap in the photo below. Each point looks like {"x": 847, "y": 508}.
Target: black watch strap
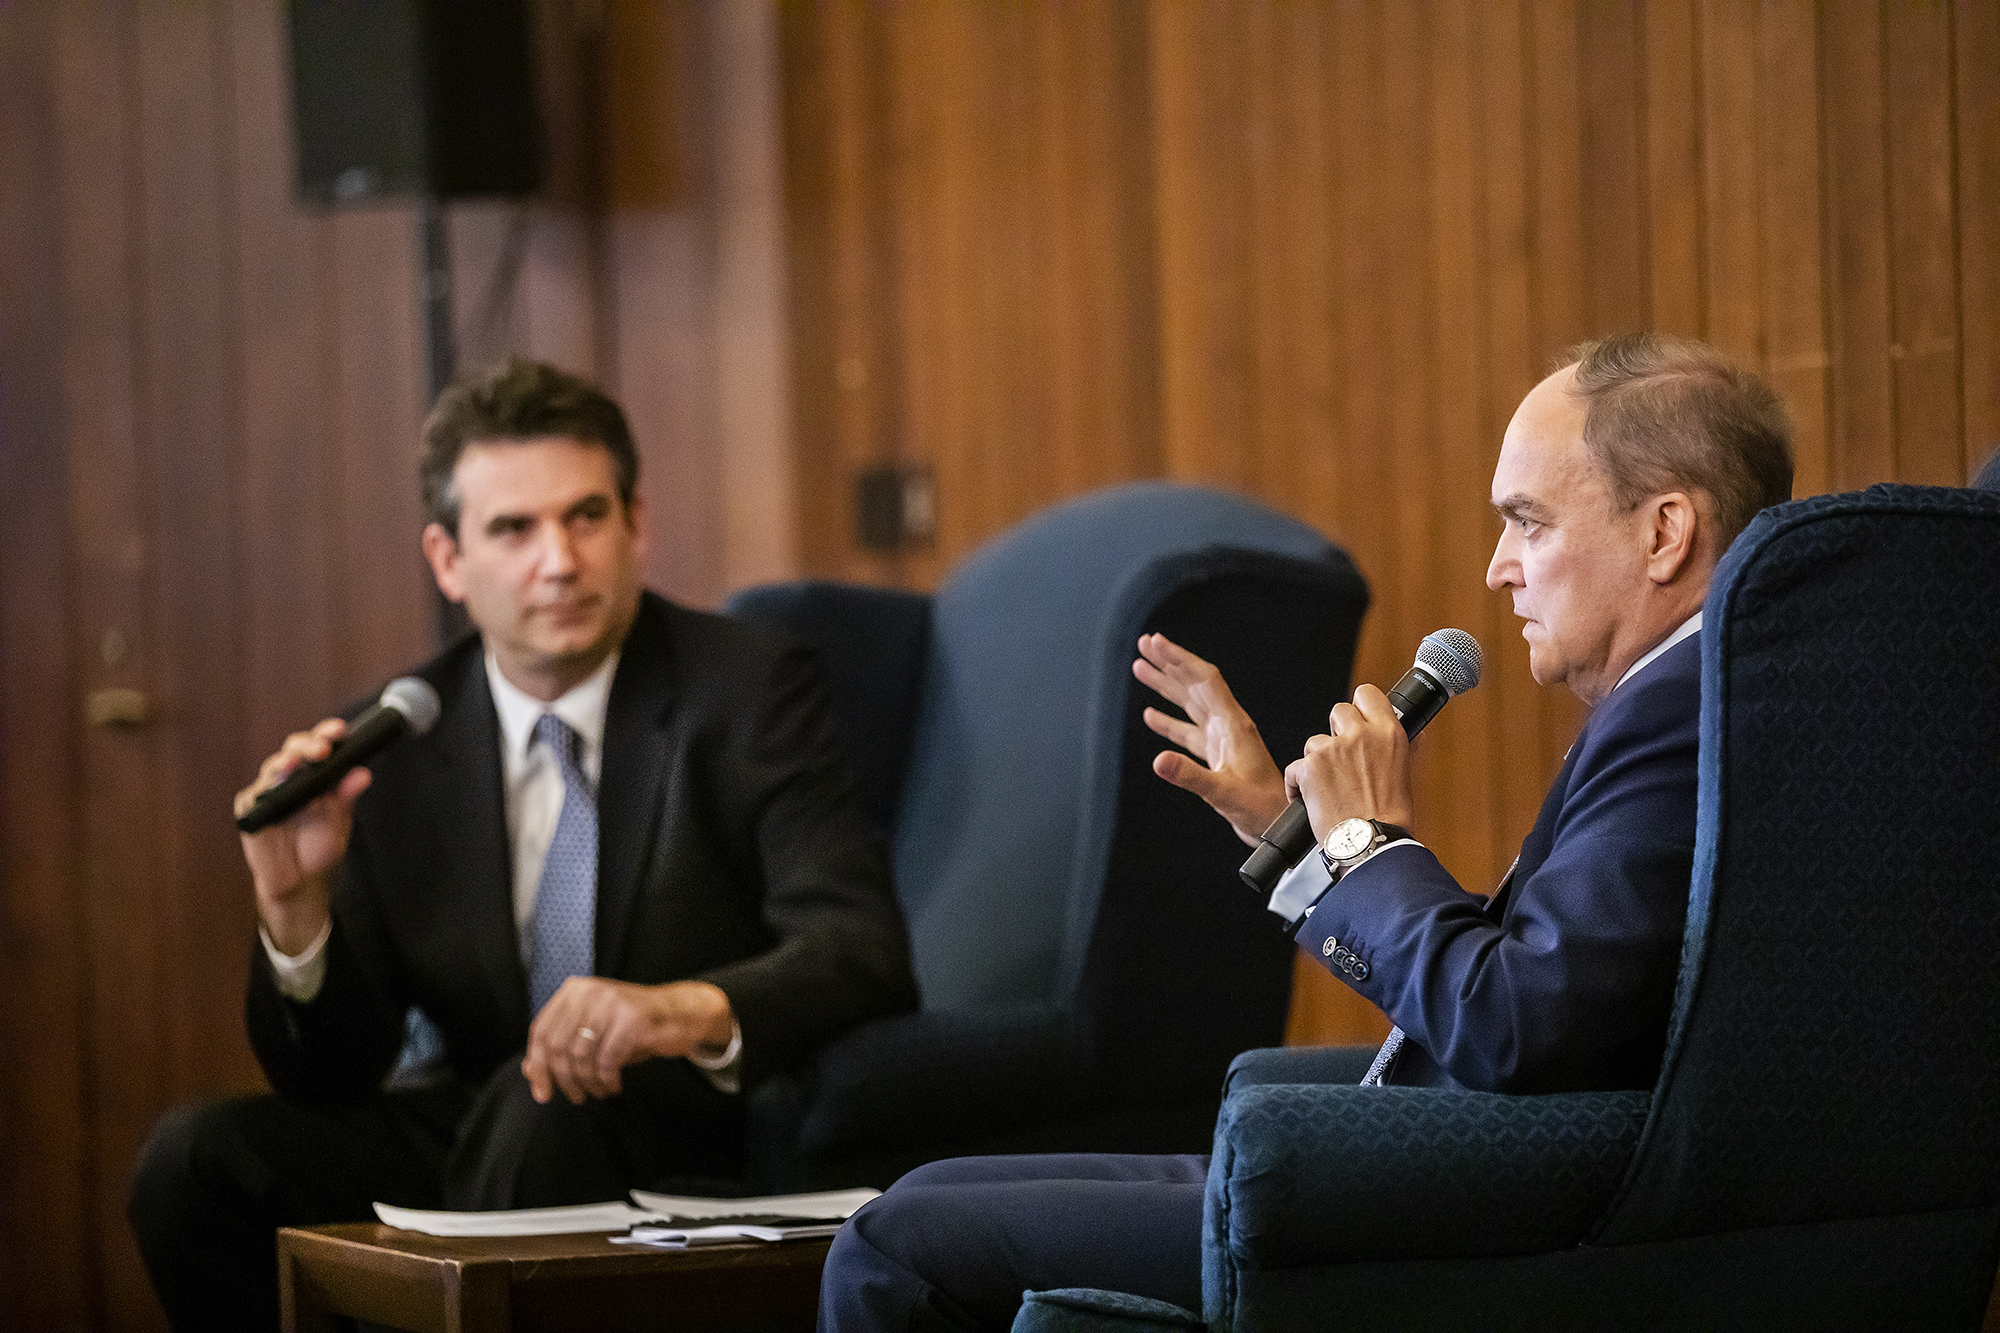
{"x": 1386, "y": 833}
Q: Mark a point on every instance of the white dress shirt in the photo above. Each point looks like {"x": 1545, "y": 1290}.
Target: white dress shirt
{"x": 534, "y": 789}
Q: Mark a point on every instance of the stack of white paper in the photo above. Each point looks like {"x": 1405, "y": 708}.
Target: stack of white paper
{"x": 667, "y": 1220}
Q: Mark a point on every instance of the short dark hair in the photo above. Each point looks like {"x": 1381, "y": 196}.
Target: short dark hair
{"x": 1663, "y": 413}
{"x": 513, "y": 401}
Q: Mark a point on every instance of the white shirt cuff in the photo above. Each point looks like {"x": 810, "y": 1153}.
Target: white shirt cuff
{"x": 300, "y": 976}
{"x": 1300, "y": 887}
{"x": 724, "y": 1070}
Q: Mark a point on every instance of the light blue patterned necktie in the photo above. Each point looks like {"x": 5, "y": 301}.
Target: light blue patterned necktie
{"x": 1383, "y": 1059}
{"x": 561, "y": 933}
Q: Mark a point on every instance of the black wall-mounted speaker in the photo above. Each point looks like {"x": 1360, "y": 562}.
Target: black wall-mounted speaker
{"x": 411, "y": 97}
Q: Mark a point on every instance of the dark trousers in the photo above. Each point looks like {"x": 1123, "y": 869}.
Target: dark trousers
{"x": 953, "y": 1245}
{"x": 215, "y": 1181}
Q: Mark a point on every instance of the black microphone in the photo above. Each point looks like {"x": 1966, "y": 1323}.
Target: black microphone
{"x": 407, "y": 705}
{"x": 1447, "y": 665}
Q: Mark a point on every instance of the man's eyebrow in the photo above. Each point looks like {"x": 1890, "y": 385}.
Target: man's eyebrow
{"x": 1518, "y": 506}
{"x": 595, "y": 500}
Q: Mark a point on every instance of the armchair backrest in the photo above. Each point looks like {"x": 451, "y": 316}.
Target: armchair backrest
{"x": 1835, "y": 1046}
{"x": 1025, "y": 773}
{"x": 871, "y": 645}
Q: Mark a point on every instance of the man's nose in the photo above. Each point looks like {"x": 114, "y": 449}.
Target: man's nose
{"x": 1500, "y": 566}
{"x": 558, "y": 551}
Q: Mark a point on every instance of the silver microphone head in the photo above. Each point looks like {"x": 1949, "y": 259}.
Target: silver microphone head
{"x": 418, "y": 702}
{"x": 1452, "y": 658}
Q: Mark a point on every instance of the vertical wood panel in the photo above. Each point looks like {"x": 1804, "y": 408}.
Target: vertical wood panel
{"x": 189, "y": 908}
{"x": 1976, "y": 44}
{"x": 1862, "y": 428}
{"x": 1203, "y": 177}
{"x": 1301, "y": 374}
{"x": 844, "y": 355}
{"x": 1613, "y": 145}
{"x": 1923, "y": 250}
{"x": 1790, "y": 219}
{"x": 285, "y": 499}
{"x": 1729, "y": 141}
{"x": 1672, "y": 95}
{"x": 381, "y": 589}
{"x": 1104, "y": 327}
{"x": 46, "y": 1273}
{"x": 123, "y": 973}
{"x": 753, "y": 373}
{"x": 660, "y": 247}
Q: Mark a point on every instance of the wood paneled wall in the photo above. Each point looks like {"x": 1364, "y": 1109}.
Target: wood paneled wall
{"x": 1318, "y": 252}
{"x": 210, "y": 402}
{"x": 209, "y": 399}
{"x": 1313, "y": 252}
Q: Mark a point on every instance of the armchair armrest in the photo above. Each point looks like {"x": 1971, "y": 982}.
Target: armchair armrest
{"x": 1303, "y": 1174}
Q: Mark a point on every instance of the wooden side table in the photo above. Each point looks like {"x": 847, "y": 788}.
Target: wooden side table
{"x": 435, "y": 1284}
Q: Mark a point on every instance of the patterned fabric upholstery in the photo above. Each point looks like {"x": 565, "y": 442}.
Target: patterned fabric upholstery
{"x": 1416, "y": 1173}
{"x": 1087, "y": 960}
{"x": 1839, "y": 1011}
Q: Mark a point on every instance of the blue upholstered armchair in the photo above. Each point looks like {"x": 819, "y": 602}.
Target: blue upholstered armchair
{"x": 1088, "y": 960}
{"x": 1822, "y": 1149}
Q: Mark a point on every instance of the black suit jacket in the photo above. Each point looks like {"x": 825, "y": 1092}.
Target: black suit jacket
{"x": 1565, "y": 979}
{"x": 730, "y": 851}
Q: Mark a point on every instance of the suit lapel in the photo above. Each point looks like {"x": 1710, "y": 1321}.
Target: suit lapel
{"x": 1535, "y": 847}
{"x": 473, "y": 832}
{"x": 633, "y": 773}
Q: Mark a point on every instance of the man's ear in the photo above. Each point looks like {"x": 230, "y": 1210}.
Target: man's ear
{"x": 1674, "y": 529}
{"x": 635, "y": 519}
{"x": 441, "y": 550}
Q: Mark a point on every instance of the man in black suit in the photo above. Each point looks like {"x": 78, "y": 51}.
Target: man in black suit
{"x": 1621, "y": 480}
{"x": 622, "y": 877}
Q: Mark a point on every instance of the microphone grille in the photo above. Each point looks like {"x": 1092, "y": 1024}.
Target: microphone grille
{"x": 415, "y": 700}
{"x": 1452, "y": 656}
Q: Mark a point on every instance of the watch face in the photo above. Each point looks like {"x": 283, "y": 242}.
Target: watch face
{"x": 1350, "y": 837}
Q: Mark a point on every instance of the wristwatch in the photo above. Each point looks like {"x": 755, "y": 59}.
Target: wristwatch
{"x": 1352, "y": 841}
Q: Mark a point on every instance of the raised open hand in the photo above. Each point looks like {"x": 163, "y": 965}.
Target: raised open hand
{"x": 1235, "y": 773}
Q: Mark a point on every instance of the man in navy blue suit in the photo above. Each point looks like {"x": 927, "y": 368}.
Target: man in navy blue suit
{"x": 1622, "y": 478}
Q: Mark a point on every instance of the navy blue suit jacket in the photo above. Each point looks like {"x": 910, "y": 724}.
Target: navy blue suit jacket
{"x": 1564, "y": 981}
